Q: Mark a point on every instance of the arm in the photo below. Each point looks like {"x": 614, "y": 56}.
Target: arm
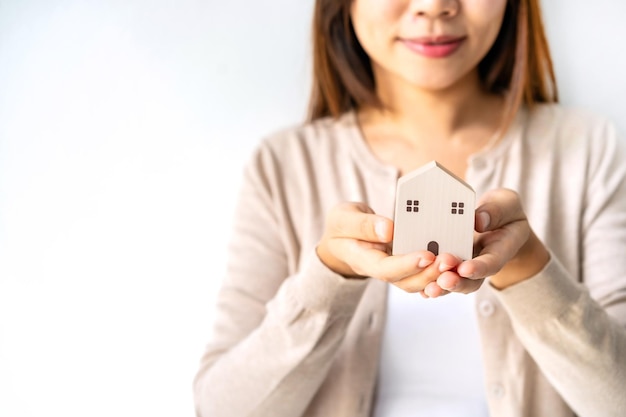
{"x": 574, "y": 331}
{"x": 577, "y": 332}
{"x": 275, "y": 332}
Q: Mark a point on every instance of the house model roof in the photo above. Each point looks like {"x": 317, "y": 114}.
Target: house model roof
{"x": 427, "y": 167}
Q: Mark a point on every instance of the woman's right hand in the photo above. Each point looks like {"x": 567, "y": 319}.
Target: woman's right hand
{"x": 357, "y": 243}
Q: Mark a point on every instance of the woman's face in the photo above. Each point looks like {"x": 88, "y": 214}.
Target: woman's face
{"x": 432, "y": 44}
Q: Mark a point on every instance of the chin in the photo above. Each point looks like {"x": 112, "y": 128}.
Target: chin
{"x": 430, "y": 78}
{"x": 436, "y": 80}
{"x": 433, "y": 84}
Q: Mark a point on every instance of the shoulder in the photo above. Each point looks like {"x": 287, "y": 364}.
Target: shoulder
{"x": 571, "y": 131}
{"x": 558, "y": 121}
{"x": 322, "y": 141}
{"x": 319, "y": 134}
{"x": 577, "y": 140}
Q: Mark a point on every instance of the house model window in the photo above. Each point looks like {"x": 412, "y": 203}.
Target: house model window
{"x": 412, "y": 206}
{"x": 445, "y": 204}
{"x": 458, "y": 208}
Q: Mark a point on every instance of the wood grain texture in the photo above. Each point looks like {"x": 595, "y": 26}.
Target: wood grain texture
{"x": 434, "y": 211}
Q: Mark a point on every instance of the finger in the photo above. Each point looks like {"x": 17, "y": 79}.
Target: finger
{"x": 358, "y": 221}
{"x": 418, "y": 281}
{"x": 433, "y": 290}
{"x": 447, "y": 262}
{"x": 366, "y": 259}
{"x": 453, "y": 282}
{"x": 498, "y": 247}
{"x": 497, "y": 208}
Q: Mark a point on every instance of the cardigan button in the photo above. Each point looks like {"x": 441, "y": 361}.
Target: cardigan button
{"x": 362, "y": 403}
{"x": 486, "y": 308}
{"x": 480, "y": 163}
{"x": 497, "y": 391}
{"x": 371, "y": 321}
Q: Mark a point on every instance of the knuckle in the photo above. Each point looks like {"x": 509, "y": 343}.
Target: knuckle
{"x": 510, "y": 194}
{"x": 407, "y": 287}
{"x": 416, "y": 283}
{"x": 332, "y": 219}
{"x": 358, "y": 270}
{"x": 335, "y": 210}
{"x": 383, "y": 276}
{"x": 365, "y": 227}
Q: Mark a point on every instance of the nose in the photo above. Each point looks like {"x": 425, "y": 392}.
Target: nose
{"x": 435, "y": 9}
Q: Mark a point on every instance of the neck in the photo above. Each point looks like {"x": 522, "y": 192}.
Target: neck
{"x": 441, "y": 114}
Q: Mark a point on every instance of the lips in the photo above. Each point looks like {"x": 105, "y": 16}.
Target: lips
{"x": 434, "y": 46}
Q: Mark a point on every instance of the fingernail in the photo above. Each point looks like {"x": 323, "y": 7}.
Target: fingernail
{"x": 450, "y": 288}
{"x": 381, "y": 230}
{"x": 444, "y": 267}
{"x": 485, "y": 219}
{"x": 427, "y": 292}
{"x": 463, "y": 267}
{"x": 450, "y": 285}
{"x": 423, "y": 263}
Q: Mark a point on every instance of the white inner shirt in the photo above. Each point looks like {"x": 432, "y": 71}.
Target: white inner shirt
{"x": 431, "y": 363}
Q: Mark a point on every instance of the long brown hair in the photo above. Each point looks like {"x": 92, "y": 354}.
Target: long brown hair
{"x": 518, "y": 64}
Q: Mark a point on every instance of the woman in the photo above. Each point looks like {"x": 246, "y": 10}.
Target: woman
{"x": 307, "y": 323}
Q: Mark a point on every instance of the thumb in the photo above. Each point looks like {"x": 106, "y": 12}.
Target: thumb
{"x": 497, "y": 208}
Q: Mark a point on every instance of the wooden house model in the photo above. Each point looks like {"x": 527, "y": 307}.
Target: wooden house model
{"x": 435, "y": 212}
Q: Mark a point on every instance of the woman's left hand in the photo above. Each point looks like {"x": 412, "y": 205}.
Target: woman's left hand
{"x": 506, "y": 248}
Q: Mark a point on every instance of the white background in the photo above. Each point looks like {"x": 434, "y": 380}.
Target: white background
{"x": 123, "y": 129}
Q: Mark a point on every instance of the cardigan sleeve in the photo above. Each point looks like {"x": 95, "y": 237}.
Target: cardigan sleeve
{"x": 276, "y": 327}
{"x": 576, "y": 332}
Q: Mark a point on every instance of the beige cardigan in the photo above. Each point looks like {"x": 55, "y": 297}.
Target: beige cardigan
{"x": 291, "y": 338}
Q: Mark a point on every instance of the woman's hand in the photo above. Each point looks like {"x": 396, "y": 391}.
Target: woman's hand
{"x": 356, "y": 244}
{"x": 507, "y": 249}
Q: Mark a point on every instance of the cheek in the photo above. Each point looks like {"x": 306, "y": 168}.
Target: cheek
{"x": 374, "y": 20}
{"x": 487, "y": 12}
{"x": 486, "y": 16}
{"x": 484, "y": 7}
